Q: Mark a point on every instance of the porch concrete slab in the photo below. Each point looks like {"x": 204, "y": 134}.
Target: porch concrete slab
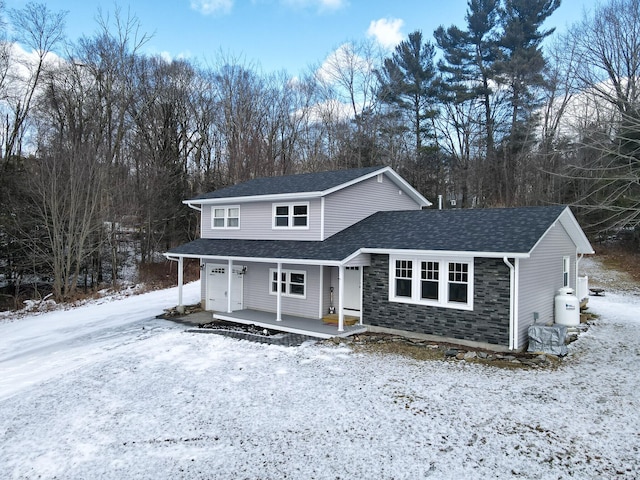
{"x": 190, "y": 319}
{"x": 289, "y": 323}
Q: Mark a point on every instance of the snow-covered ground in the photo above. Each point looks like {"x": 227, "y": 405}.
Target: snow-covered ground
{"x": 106, "y": 391}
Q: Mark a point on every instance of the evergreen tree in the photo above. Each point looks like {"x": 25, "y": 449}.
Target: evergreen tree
{"x": 468, "y": 65}
{"x": 520, "y": 71}
{"x": 407, "y": 81}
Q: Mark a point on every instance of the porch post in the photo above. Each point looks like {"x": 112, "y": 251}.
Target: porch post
{"x": 180, "y": 282}
{"x": 229, "y": 272}
{"x": 341, "y": 298}
{"x": 279, "y": 294}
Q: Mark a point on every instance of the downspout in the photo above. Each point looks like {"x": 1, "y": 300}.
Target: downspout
{"x": 576, "y": 275}
{"x": 512, "y": 301}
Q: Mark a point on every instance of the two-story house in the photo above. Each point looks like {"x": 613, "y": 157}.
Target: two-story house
{"x": 284, "y": 252}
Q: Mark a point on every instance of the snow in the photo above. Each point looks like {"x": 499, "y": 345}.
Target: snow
{"x": 107, "y": 391}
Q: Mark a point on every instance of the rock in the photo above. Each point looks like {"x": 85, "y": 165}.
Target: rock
{"x": 460, "y": 355}
{"x": 470, "y": 355}
{"x": 483, "y": 355}
{"x": 542, "y": 358}
{"x": 452, "y": 352}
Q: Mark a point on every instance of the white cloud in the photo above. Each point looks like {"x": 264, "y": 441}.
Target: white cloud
{"x": 386, "y": 31}
{"x": 343, "y": 58}
{"x": 321, "y": 5}
{"x": 212, "y": 7}
{"x": 326, "y": 112}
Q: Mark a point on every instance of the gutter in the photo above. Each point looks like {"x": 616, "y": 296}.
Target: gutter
{"x": 194, "y": 206}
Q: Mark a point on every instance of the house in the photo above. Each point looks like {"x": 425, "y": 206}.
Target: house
{"x": 287, "y": 251}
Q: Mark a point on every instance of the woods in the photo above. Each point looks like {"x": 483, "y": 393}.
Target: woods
{"x": 101, "y": 142}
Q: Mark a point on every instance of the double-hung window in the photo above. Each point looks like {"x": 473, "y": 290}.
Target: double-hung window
{"x": 404, "y": 278}
{"x": 294, "y": 215}
{"x": 292, "y": 282}
{"x": 431, "y": 281}
{"x": 225, "y": 217}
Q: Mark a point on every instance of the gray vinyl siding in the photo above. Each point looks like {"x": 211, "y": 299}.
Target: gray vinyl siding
{"x": 257, "y": 297}
{"x": 540, "y": 278}
{"x": 256, "y": 223}
{"x": 356, "y": 202}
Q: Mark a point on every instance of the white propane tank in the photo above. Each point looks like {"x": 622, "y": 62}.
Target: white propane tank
{"x": 567, "y": 307}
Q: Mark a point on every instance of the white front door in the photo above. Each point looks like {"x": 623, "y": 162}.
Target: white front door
{"x": 217, "y": 288}
{"x": 352, "y": 281}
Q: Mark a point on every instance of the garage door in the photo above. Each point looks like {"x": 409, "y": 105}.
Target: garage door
{"x": 217, "y": 288}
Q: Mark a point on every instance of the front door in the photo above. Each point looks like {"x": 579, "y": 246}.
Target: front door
{"x": 217, "y": 288}
{"x": 352, "y": 280}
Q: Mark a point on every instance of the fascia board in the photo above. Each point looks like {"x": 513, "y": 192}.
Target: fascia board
{"x": 294, "y": 261}
{"x": 354, "y": 181}
{"x": 571, "y": 225}
{"x": 408, "y": 188}
{"x": 395, "y": 178}
{"x": 445, "y": 253}
{"x": 280, "y": 197}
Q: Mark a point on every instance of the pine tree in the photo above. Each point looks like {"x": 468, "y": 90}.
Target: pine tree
{"x": 520, "y": 70}
{"x": 407, "y": 81}
{"x": 468, "y": 64}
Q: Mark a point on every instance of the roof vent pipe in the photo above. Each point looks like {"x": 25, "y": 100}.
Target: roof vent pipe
{"x": 439, "y": 202}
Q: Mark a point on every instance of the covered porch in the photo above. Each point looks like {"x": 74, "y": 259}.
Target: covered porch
{"x": 238, "y": 286}
{"x": 290, "y": 323}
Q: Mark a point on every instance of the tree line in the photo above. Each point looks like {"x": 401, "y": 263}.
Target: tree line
{"x": 99, "y": 140}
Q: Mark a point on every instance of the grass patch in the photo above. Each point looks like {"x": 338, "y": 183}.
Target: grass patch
{"x": 623, "y": 259}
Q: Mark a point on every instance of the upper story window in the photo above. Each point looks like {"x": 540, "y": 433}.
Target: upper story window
{"x": 431, "y": 281}
{"x": 225, "y": 217}
{"x": 291, "y": 215}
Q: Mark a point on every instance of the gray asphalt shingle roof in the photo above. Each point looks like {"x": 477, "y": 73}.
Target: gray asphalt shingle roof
{"x": 513, "y": 230}
{"x": 279, "y": 249}
{"x": 305, "y": 182}
{"x": 500, "y": 230}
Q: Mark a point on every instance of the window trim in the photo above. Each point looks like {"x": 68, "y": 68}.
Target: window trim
{"x": 226, "y": 217}
{"x": 290, "y": 216}
{"x": 287, "y": 282}
{"x": 443, "y": 281}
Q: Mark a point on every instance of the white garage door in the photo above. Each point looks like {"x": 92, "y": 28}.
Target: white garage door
{"x": 217, "y": 288}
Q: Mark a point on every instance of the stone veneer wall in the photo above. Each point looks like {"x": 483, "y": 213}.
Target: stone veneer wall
{"x": 488, "y": 322}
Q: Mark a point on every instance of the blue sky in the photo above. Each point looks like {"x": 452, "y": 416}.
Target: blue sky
{"x": 275, "y": 35}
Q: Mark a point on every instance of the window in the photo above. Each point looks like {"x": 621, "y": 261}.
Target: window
{"x": 225, "y": 217}
{"x": 292, "y": 282}
{"x": 566, "y": 266}
{"x": 291, "y": 216}
{"x": 458, "y": 282}
{"x": 432, "y": 281}
{"x": 403, "y": 278}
